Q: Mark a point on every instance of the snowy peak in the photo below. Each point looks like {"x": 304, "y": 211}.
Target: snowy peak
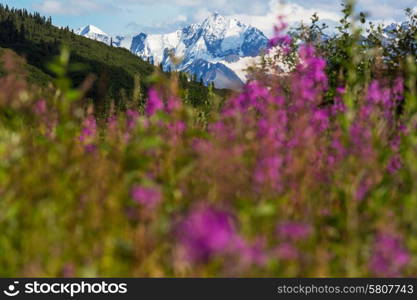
{"x": 91, "y": 29}
{"x": 94, "y": 33}
{"x": 214, "y": 50}
{"x": 225, "y": 36}
{"x": 210, "y": 50}
{"x": 220, "y": 26}
{"x": 217, "y": 38}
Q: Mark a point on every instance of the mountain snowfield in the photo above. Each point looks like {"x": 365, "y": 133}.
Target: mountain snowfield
{"x": 218, "y": 50}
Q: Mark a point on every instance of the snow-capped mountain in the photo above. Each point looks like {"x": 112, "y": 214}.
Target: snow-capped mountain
{"x": 214, "y": 50}
{"x": 94, "y": 33}
{"x": 209, "y": 50}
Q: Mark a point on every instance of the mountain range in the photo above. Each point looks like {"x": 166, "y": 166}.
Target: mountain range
{"x": 217, "y": 50}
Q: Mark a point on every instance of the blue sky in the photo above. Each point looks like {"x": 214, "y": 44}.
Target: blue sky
{"x": 133, "y": 16}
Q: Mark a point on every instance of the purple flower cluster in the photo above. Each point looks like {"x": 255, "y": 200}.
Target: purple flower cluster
{"x": 285, "y": 122}
{"x": 390, "y": 257}
{"x": 89, "y": 129}
{"x": 146, "y": 196}
{"x": 291, "y": 233}
{"x": 131, "y": 118}
{"x": 154, "y": 103}
{"x": 275, "y": 141}
{"x": 88, "y": 134}
{"x": 207, "y": 233}
{"x": 40, "y": 107}
{"x": 294, "y": 231}
{"x": 280, "y": 38}
{"x": 46, "y": 117}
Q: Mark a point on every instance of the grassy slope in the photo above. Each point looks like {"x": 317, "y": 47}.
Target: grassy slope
{"x": 33, "y": 74}
{"x": 112, "y": 66}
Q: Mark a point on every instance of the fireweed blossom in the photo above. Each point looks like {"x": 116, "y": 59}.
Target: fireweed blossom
{"x": 382, "y": 98}
{"x": 386, "y": 97}
{"x": 88, "y": 133}
{"x": 363, "y": 189}
{"x": 280, "y": 38}
{"x": 398, "y": 90}
{"x": 146, "y": 196}
{"x": 287, "y": 251}
{"x": 320, "y": 120}
{"x": 205, "y": 233}
{"x": 176, "y": 129}
{"x": 283, "y": 125}
{"x": 253, "y": 97}
{"x": 290, "y": 235}
{"x": 154, "y": 103}
{"x": 377, "y": 94}
{"x": 360, "y": 132}
{"x": 46, "y": 117}
{"x": 294, "y": 231}
{"x": 338, "y": 106}
{"x": 379, "y": 104}
{"x": 389, "y": 257}
{"x": 112, "y": 123}
{"x": 40, "y": 108}
{"x": 395, "y": 164}
{"x": 250, "y": 253}
{"x": 131, "y": 118}
{"x": 89, "y": 128}
{"x": 310, "y": 80}
{"x": 279, "y": 121}
{"x": 173, "y": 104}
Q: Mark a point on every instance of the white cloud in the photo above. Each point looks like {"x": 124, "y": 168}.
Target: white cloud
{"x": 264, "y": 20}
{"x": 259, "y": 13}
{"x": 223, "y": 6}
{"x": 159, "y": 27}
{"x": 72, "y": 7}
{"x": 379, "y": 9}
{"x": 293, "y": 13}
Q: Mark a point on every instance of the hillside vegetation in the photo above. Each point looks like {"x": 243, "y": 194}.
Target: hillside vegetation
{"x": 34, "y": 38}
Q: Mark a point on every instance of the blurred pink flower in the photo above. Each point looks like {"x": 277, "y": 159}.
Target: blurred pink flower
{"x": 294, "y": 231}
{"x": 154, "y": 103}
{"x": 146, "y": 196}
{"x": 287, "y": 251}
{"x": 206, "y": 232}
{"x": 131, "y": 118}
{"x": 40, "y": 107}
{"x": 389, "y": 257}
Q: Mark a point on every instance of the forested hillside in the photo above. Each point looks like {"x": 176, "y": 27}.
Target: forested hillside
{"x": 35, "y": 38}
